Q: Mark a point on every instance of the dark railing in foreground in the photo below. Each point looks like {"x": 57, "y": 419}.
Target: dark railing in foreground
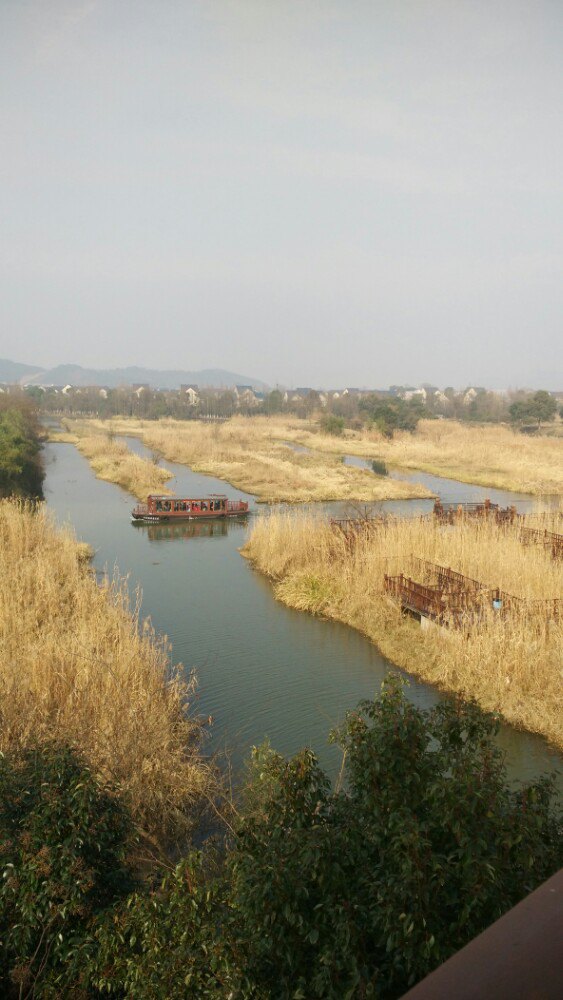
{"x": 457, "y": 601}
{"x": 519, "y": 957}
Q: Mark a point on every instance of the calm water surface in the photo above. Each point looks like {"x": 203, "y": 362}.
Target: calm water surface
{"x": 264, "y": 670}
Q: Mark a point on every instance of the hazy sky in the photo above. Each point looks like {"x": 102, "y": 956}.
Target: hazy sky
{"x": 312, "y": 192}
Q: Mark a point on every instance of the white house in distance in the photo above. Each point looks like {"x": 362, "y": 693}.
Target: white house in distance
{"x": 191, "y": 392}
{"x": 139, "y": 388}
{"x": 245, "y": 395}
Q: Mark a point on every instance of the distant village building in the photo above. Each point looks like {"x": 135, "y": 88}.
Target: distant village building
{"x": 245, "y": 395}
{"x": 440, "y": 397}
{"x": 192, "y": 393}
{"x": 472, "y": 392}
{"x": 411, "y": 393}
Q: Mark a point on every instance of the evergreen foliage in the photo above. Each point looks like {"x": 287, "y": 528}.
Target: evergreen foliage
{"x": 20, "y": 467}
{"x": 393, "y": 413}
{"x": 363, "y": 892}
{"x": 63, "y": 849}
{"x": 357, "y": 891}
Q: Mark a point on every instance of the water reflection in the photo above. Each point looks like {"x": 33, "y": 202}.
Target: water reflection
{"x": 174, "y": 531}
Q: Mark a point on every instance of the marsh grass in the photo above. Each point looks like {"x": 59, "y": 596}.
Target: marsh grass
{"x": 113, "y": 461}
{"x": 494, "y": 455}
{"x": 511, "y": 665}
{"x": 246, "y": 452}
{"x": 76, "y": 666}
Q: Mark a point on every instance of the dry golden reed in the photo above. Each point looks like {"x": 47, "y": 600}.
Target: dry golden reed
{"x": 75, "y": 666}
{"x": 113, "y": 461}
{"x": 512, "y": 665}
{"x": 494, "y": 455}
{"x": 247, "y": 452}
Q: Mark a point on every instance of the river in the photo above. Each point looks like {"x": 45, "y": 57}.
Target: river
{"x": 264, "y": 670}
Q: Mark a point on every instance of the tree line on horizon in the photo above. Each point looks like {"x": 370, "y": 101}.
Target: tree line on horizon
{"x": 389, "y": 411}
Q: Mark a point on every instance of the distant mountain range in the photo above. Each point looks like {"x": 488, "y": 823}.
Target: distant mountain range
{"x": 13, "y": 371}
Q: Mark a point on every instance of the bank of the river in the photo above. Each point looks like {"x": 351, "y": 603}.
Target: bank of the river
{"x": 245, "y": 453}
{"x": 265, "y": 670}
{"x": 509, "y": 664}
{"x": 75, "y": 666}
{"x": 491, "y": 456}
{"x": 112, "y": 460}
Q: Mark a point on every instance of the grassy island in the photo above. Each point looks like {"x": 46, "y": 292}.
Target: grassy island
{"x": 248, "y": 452}
{"x": 509, "y": 664}
{"x": 112, "y": 460}
{"x": 493, "y": 455}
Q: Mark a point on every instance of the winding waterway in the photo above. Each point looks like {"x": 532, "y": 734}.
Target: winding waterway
{"x": 264, "y": 670}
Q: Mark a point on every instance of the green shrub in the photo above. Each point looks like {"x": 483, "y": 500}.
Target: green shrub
{"x": 363, "y": 892}
{"x": 63, "y": 843}
{"x": 324, "y": 893}
{"x": 21, "y": 472}
{"x": 171, "y": 943}
{"x": 331, "y": 424}
{"x": 379, "y": 467}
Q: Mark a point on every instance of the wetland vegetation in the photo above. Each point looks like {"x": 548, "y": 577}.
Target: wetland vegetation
{"x": 249, "y": 453}
{"x": 76, "y": 665}
{"x": 509, "y": 664}
{"x": 104, "y": 784}
{"x": 252, "y": 454}
{"x": 112, "y": 460}
{"x": 493, "y": 455}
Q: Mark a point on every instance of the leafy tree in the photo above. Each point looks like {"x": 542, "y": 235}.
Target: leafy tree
{"x": 519, "y": 410}
{"x": 170, "y": 943}
{"x": 273, "y": 403}
{"x": 20, "y": 467}
{"x": 544, "y": 406}
{"x": 63, "y": 843}
{"x": 357, "y": 891}
{"x": 363, "y": 892}
{"x": 487, "y": 407}
{"x": 390, "y": 414}
{"x": 331, "y": 424}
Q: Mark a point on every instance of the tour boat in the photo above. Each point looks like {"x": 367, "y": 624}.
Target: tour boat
{"x": 170, "y": 508}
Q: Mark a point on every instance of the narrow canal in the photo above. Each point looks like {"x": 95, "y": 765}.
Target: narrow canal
{"x": 264, "y": 670}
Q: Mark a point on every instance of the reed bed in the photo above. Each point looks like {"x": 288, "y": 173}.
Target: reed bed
{"x": 113, "y": 461}
{"x": 245, "y": 451}
{"x": 512, "y": 665}
{"x": 76, "y": 666}
{"x": 492, "y": 455}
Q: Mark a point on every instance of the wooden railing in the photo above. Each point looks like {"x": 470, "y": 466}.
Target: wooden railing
{"x": 458, "y": 606}
{"x": 447, "y": 513}
{"x": 549, "y": 539}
